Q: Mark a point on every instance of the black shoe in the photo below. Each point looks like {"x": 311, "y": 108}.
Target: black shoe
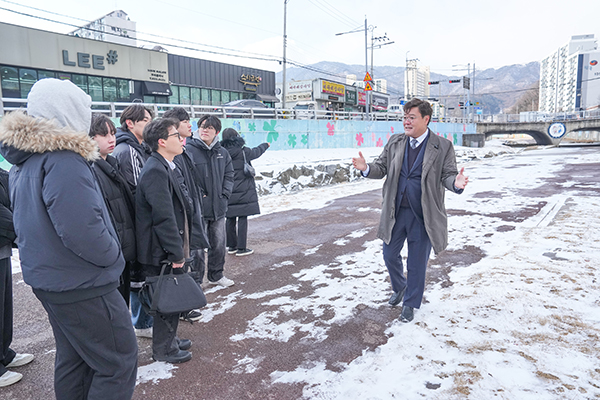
{"x": 231, "y": 250}
{"x": 184, "y": 344}
{"x": 244, "y": 252}
{"x": 397, "y": 297}
{"x": 408, "y": 313}
{"x": 180, "y": 357}
{"x": 191, "y": 316}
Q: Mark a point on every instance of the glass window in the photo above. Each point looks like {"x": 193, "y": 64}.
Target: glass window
{"x": 174, "y": 99}
{"x": 225, "y": 97}
{"x": 216, "y": 97}
{"x": 161, "y": 99}
{"x": 110, "y": 89}
{"x": 64, "y": 77}
{"x": 149, "y": 99}
{"x": 45, "y": 74}
{"x": 205, "y": 97}
{"x": 95, "y": 84}
{"x": 10, "y": 78}
{"x": 123, "y": 89}
{"x": 184, "y": 95}
{"x": 234, "y": 96}
{"x": 28, "y": 77}
{"x": 195, "y": 96}
{"x": 81, "y": 81}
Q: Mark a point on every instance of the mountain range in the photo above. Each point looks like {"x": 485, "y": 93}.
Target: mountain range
{"x": 496, "y": 89}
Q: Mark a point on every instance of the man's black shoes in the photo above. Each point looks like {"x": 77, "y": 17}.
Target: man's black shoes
{"x": 184, "y": 344}
{"x": 397, "y": 297}
{"x": 180, "y": 357}
{"x": 408, "y": 313}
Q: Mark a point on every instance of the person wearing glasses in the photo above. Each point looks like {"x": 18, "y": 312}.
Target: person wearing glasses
{"x": 163, "y": 217}
{"x": 418, "y": 165}
{"x": 214, "y": 169}
{"x": 189, "y": 182}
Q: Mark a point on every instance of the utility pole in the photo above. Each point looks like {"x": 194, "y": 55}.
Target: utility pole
{"x": 284, "y": 84}
{"x": 368, "y": 94}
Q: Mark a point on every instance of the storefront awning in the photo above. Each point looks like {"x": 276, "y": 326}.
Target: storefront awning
{"x": 267, "y": 97}
{"x": 157, "y": 89}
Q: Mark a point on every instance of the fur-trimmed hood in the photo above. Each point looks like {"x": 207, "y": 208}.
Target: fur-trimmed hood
{"x": 22, "y": 135}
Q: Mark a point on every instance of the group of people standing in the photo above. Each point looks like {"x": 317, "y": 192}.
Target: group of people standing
{"x": 91, "y": 226}
{"x": 95, "y": 209}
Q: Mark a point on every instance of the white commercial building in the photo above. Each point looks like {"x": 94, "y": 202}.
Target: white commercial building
{"x": 570, "y": 77}
{"x": 114, "y": 27}
{"x": 416, "y": 80}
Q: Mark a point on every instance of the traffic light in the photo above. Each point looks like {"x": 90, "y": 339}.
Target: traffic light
{"x": 454, "y": 81}
{"x": 433, "y": 82}
{"x": 461, "y": 103}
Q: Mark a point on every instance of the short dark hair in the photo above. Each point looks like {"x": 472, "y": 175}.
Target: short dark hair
{"x": 178, "y": 113}
{"x": 211, "y": 120}
{"x": 158, "y": 129}
{"x": 135, "y": 113}
{"x": 99, "y": 126}
{"x": 423, "y": 106}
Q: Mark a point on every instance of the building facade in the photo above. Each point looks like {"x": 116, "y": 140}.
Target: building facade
{"x": 111, "y": 72}
{"x": 115, "y": 27}
{"x": 416, "y": 80}
{"x": 569, "y": 77}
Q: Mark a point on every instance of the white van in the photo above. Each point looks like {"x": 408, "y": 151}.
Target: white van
{"x": 305, "y": 109}
{"x": 396, "y": 108}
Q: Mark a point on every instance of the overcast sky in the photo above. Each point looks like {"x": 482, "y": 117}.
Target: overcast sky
{"x": 439, "y": 33}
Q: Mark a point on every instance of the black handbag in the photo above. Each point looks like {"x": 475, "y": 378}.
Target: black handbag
{"x": 172, "y": 293}
{"x": 249, "y": 170}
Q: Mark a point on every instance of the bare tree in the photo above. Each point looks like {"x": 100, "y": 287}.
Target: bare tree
{"x": 529, "y": 101}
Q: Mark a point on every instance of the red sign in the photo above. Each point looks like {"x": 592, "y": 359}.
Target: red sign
{"x": 368, "y": 87}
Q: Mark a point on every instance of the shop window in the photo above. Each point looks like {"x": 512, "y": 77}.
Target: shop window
{"x": 110, "y": 89}
{"x": 149, "y": 99}
{"x": 161, "y": 100}
{"x": 216, "y": 97}
{"x": 27, "y": 77}
{"x": 184, "y": 95}
{"x": 225, "y": 97}
{"x": 196, "y": 96}
{"x": 174, "y": 98}
{"x": 45, "y": 74}
{"x": 64, "y": 77}
{"x": 10, "y": 79}
{"x": 206, "y": 99}
{"x": 81, "y": 81}
{"x": 95, "y": 85}
{"x": 234, "y": 96}
{"x": 123, "y": 89}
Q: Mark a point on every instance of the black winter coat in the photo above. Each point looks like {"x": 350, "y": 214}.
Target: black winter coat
{"x": 184, "y": 162}
{"x": 131, "y": 156}
{"x": 120, "y": 203}
{"x": 7, "y": 229}
{"x": 244, "y": 199}
{"x": 160, "y": 216}
{"x": 215, "y": 172}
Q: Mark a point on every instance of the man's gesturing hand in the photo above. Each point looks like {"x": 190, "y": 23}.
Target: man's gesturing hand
{"x": 359, "y": 162}
{"x": 461, "y": 180}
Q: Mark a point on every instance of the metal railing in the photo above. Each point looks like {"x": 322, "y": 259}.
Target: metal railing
{"x": 114, "y": 109}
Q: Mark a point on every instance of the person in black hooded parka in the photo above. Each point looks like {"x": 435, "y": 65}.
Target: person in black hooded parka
{"x": 244, "y": 199}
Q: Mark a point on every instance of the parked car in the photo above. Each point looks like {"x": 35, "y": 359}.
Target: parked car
{"x": 246, "y": 107}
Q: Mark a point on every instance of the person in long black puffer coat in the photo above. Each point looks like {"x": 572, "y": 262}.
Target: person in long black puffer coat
{"x": 244, "y": 199}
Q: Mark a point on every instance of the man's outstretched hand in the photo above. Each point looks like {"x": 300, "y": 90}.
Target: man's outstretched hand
{"x": 359, "y": 162}
{"x": 461, "y": 180}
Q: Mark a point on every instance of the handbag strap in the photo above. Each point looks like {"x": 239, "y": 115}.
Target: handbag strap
{"x": 244, "y": 154}
{"x": 161, "y": 278}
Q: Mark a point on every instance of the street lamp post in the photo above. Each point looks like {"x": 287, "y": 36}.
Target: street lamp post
{"x": 284, "y": 84}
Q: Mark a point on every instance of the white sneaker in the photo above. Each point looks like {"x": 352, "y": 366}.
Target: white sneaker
{"x": 145, "y": 333}
{"x": 10, "y": 377}
{"x": 224, "y": 281}
{"x": 19, "y": 360}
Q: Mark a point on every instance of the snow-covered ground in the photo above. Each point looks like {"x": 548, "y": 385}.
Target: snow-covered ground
{"x": 521, "y": 323}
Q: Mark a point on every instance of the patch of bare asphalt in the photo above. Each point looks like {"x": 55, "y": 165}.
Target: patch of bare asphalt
{"x": 518, "y": 216}
{"x": 585, "y": 178}
{"x": 439, "y": 268}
